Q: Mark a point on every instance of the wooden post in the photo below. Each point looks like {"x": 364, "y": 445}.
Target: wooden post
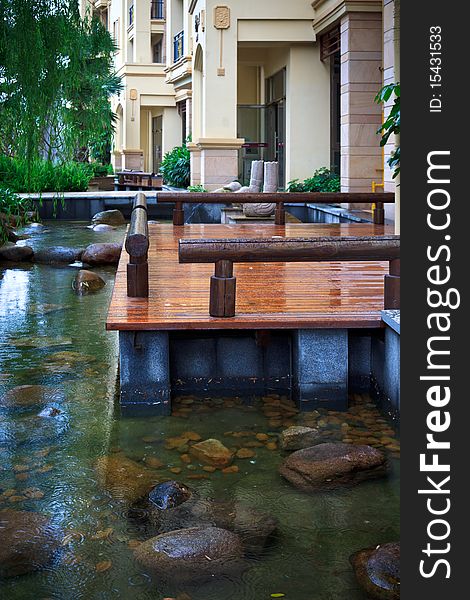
{"x": 223, "y": 290}
{"x": 280, "y": 214}
{"x": 392, "y": 286}
{"x": 178, "y": 214}
{"x": 379, "y": 213}
{"x": 138, "y": 279}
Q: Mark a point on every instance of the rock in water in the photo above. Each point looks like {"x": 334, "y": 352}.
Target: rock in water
{"x": 173, "y": 506}
{"x": 212, "y": 452}
{"x": 102, "y": 254}
{"x": 101, "y": 227}
{"x": 124, "y": 478}
{"x": 23, "y": 396}
{"x": 28, "y": 542}
{"x": 58, "y": 254}
{"x": 169, "y": 495}
{"x": 377, "y": 571}
{"x": 109, "y": 217}
{"x": 86, "y": 282}
{"x": 12, "y": 253}
{"x": 193, "y": 554}
{"x": 327, "y": 466}
{"x": 298, "y": 438}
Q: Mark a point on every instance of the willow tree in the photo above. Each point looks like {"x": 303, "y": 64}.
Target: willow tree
{"x": 56, "y": 79}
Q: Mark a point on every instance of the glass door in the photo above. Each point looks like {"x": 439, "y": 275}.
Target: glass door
{"x": 157, "y": 141}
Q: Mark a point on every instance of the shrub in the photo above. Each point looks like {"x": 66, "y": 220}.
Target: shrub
{"x": 323, "y": 180}
{"x": 13, "y": 210}
{"x": 197, "y": 189}
{"x": 100, "y": 170}
{"x": 44, "y": 176}
{"x": 175, "y": 167}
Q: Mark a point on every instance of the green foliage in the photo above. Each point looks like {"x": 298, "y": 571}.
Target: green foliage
{"x": 175, "y": 167}
{"x": 197, "y": 189}
{"x": 100, "y": 170}
{"x": 13, "y": 208}
{"x": 44, "y": 176}
{"x": 323, "y": 180}
{"x": 391, "y": 126}
{"x": 56, "y": 78}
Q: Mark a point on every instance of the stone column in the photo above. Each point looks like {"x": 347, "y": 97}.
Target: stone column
{"x": 195, "y": 158}
{"x": 144, "y": 371}
{"x": 320, "y": 368}
{"x": 361, "y": 79}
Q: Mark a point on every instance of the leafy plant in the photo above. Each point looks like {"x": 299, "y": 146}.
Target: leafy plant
{"x": 391, "y": 126}
{"x": 100, "y": 170}
{"x": 197, "y": 189}
{"x": 44, "y": 176}
{"x": 13, "y": 211}
{"x": 323, "y": 180}
{"x": 175, "y": 167}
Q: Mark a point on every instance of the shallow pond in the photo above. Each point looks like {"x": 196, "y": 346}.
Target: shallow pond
{"x": 51, "y": 337}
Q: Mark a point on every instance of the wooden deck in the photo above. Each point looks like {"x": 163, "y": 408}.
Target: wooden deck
{"x": 269, "y": 295}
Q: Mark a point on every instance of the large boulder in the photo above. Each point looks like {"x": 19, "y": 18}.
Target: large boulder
{"x": 102, "y": 254}
{"x": 58, "y": 254}
{"x": 212, "y": 452}
{"x": 327, "y": 466}
{"x": 377, "y": 571}
{"x": 12, "y": 253}
{"x": 25, "y": 396}
{"x": 109, "y": 217}
{"x": 124, "y": 478}
{"x": 193, "y": 554}
{"x": 86, "y": 282}
{"x": 29, "y": 542}
{"x": 298, "y": 437}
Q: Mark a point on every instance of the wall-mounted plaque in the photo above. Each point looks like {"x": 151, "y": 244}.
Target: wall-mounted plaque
{"x": 221, "y": 17}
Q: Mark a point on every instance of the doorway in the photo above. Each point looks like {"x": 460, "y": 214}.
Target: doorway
{"x": 157, "y": 142}
{"x": 276, "y": 122}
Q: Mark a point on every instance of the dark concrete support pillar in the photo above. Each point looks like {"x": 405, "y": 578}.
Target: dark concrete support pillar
{"x": 145, "y": 371}
{"x": 320, "y": 368}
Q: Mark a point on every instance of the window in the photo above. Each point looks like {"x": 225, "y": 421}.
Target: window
{"x": 116, "y": 32}
{"x": 158, "y": 52}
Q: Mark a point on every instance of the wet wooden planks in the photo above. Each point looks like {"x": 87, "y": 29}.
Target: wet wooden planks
{"x": 269, "y": 295}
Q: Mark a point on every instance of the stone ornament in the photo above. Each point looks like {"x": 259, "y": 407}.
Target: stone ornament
{"x": 271, "y": 181}
{"x": 221, "y": 17}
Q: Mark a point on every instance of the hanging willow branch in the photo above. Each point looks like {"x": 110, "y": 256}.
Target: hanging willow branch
{"x": 56, "y": 79}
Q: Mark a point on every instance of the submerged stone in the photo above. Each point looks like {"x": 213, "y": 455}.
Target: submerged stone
{"x": 327, "y": 466}
{"x": 377, "y": 571}
{"x": 169, "y": 494}
{"x": 212, "y": 452}
{"x": 29, "y": 542}
{"x": 298, "y": 437}
{"x": 28, "y": 395}
{"x": 124, "y": 478}
{"x": 101, "y": 228}
{"x": 193, "y": 554}
{"x": 86, "y": 282}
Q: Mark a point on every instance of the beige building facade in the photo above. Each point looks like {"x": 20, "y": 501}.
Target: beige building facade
{"x": 246, "y": 80}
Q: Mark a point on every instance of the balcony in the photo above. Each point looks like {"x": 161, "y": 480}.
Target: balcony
{"x": 157, "y": 10}
{"x": 131, "y": 16}
{"x": 178, "y": 46}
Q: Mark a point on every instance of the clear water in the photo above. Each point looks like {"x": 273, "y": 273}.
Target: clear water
{"x": 40, "y": 316}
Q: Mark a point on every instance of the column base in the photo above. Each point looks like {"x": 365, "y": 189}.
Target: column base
{"x": 133, "y": 160}
{"x": 320, "y": 369}
{"x": 145, "y": 371}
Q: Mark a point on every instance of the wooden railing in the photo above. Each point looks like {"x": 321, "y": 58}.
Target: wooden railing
{"x": 280, "y": 199}
{"x": 128, "y": 180}
{"x": 137, "y": 245}
{"x": 224, "y": 253}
